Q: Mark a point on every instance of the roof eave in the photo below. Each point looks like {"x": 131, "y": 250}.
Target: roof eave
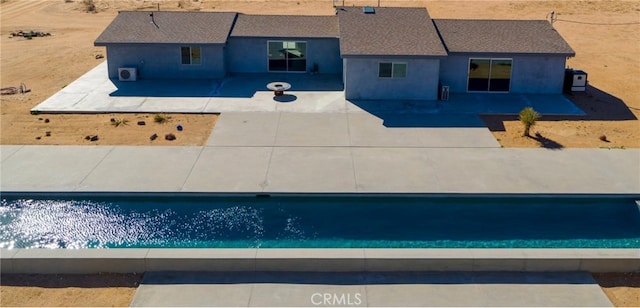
{"x": 284, "y": 37}
{"x": 392, "y": 55}
{"x": 518, "y": 53}
{"x": 103, "y": 43}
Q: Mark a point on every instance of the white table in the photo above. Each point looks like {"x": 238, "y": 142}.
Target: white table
{"x": 278, "y": 87}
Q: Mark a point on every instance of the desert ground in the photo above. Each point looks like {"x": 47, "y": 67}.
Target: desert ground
{"x": 604, "y": 34}
{"x": 101, "y": 290}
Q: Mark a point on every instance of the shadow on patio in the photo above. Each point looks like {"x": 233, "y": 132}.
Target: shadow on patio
{"x": 237, "y": 85}
{"x": 463, "y": 109}
{"x": 165, "y": 88}
{"x": 246, "y": 85}
{"x": 406, "y": 113}
{"x": 596, "y": 104}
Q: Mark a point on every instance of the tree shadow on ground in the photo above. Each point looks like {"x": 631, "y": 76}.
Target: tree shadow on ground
{"x": 597, "y": 105}
{"x": 546, "y": 142}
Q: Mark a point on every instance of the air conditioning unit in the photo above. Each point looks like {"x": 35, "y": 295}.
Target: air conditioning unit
{"x": 575, "y": 81}
{"x": 127, "y": 74}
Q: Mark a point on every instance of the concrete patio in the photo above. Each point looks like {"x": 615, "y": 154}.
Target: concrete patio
{"x": 428, "y": 289}
{"x": 95, "y": 92}
{"x": 317, "y": 142}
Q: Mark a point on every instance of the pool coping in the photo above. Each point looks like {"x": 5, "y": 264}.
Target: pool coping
{"x": 138, "y": 260}
{"x": 195, "y": 194}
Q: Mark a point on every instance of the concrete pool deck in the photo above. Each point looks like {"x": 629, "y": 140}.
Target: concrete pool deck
{"x": 419, "y": 289}
{"x": 318, "y": 169}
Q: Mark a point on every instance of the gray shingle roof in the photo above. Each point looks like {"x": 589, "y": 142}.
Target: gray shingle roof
{"x": 502, "y": 36}
{"x": 389, "y": 31}
{"x": 172, "y": 27}
{"x": 285, "y": 26}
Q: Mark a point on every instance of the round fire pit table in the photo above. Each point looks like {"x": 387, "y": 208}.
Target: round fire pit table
{"x": 278, "y": 87}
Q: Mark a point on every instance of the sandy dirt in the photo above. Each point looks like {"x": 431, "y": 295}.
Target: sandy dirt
{"x": 604, "y": 34}
{"x": 103, "y": 290}
{"x": 623, "y": 290}
{"x": 73, "y": 129}
{"x": 47, "y": 64}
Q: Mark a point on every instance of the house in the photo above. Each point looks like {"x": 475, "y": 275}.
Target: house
{"x": 389, "y": 53}
{"x": 381, "y": 52}
{"x": 518, "y": 56}
{"x": 268, "y": 43}
{"x": 165, "y": 45}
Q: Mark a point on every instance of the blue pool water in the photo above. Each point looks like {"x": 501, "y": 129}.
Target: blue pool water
{"x": 320, "y": 222}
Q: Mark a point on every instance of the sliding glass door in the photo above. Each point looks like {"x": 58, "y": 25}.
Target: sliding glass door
{"x": 287, "y": 56}
{"x": 479, "y": 70}
{"x": 489, "y": 75}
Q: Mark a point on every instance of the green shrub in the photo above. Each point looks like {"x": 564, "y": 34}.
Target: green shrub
{"x": 528, "y": 117}
{"x": 89, "y": 5}
{"x": 160, "y": 118}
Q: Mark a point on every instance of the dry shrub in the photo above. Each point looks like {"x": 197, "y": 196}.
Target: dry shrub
{"x": 89, "y": 6}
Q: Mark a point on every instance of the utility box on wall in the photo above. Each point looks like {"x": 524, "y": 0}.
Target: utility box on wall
{"x": 575, "y": 81}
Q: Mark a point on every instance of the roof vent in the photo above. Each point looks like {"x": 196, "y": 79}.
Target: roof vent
{"x": 369, "y": 10}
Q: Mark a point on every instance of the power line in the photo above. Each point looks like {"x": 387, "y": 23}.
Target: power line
{"x": 598, "y": 24}
{"x": 553, "y": 17}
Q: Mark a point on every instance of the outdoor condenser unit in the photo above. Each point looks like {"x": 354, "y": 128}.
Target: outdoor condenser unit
{"x": 575, "y": 81}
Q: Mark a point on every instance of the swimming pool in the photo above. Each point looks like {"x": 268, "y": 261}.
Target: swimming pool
{"x": 319, "y": 222}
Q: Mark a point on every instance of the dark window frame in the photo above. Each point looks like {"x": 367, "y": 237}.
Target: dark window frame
{"x": 189, "y": 56}
{"x": 292, "y": 56}
{"x": 500, "y": 85}
{"x": 387, "y": 70}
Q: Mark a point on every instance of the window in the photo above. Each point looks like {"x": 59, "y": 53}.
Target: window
{"x": 191, "y": 55}
{"x": 493, "y": 75}
{"x": 392, "y": 70}
{"x": 287, "y": 56}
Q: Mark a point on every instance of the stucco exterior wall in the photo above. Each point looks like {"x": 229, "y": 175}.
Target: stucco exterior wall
{"x": 529, "y": 73}
{"x": 249, "y": 55}
{"x": 163, "y": 61}
{"x": 362, "y": 82}
{"x": 538, "y": 74}
{"x": 453, "y": 73}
